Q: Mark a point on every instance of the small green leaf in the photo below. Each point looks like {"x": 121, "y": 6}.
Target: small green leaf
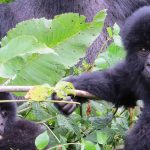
{"x": 42, "y": 141}
{"x": 102, "y": 137}
{"x": 110, "y": 32}
{"x": 117, "y": 40}
{"x": 116, "y": 29}
{"x": 63, "y": 89}
{"x": 89, "y": 145}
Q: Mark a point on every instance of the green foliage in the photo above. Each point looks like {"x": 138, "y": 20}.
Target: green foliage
{"x": 6, "y": 1}
{"x": 89, "y": 145}
{"x": 114, "y": 52}
{"x": 63, "y": 89}
{"x": 102, "y": 137}
{"x": 42, "y": 92}
{"x": 41, "y": 51}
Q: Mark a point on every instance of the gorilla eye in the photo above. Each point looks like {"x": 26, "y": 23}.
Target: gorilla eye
{"x": 143, "y": 50}
{"x": 4, "y": 114}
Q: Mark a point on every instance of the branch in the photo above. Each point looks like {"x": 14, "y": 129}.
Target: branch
{"x": 27, "y": 88}
{"x": 15, "y": 88}
{"x": 85, "y": 94}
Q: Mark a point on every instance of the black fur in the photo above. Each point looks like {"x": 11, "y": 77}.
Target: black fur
{"x": 128, "y": 81}
{"x": 17, "y": 134}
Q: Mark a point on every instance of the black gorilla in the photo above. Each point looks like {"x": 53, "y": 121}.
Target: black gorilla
{"x": 16, "y": 134}
{"x": 128, "y": 81}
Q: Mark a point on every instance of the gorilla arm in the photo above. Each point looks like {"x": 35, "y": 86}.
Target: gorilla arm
{"x": 113, "y": 85}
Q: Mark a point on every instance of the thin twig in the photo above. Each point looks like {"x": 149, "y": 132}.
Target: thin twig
{"x": 85, "y": 94}
{"x": 61, "y": 145}
{"x": 51, "y": 132}
{"x": 24, "y": 110}
{"x": 51, "y": 101}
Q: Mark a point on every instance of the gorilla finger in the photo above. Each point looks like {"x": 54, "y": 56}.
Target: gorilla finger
{"x": 67, "y": 107}
{"x": 63, "y": 104}
{"x": 55, "y": 97}
{"x": 74, "y": 106}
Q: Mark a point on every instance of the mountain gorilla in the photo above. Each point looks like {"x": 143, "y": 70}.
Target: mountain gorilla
{"x": 16, "y": 134}
{"x": 128, "y": 81}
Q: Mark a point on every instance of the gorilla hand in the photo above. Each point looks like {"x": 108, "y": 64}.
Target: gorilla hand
{"x": 67, "y": 108}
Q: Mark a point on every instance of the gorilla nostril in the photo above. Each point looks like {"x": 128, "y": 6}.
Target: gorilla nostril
{"x": 1, "y": 124}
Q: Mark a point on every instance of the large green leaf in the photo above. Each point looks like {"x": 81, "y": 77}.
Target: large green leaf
{"x": 38, "y": 28}
{"x": 39, "y": 51}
